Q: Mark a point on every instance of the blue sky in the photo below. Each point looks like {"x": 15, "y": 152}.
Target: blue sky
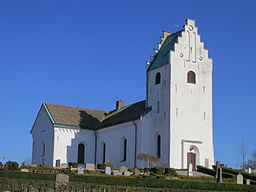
{"x": 92, "y": 53}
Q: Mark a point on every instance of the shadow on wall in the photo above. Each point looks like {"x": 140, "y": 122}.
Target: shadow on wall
{"x": 82, "y": 146}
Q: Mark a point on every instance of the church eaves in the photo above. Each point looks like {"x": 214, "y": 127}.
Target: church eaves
{"x": 161, "y": 58}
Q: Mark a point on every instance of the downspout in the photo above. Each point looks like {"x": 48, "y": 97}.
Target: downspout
{"x": 95, "y": 150}
{"x": 135, "y": 144}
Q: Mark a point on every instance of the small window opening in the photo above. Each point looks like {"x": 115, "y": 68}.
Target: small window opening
{"x": 191, "y": 77}
{"x": 158, "y": 78}
{"x": 158, "y": 107}
{"x": 158, "y": 146}
{"x": 204, "y": 115}
{"x": 177, "y": 112}
{"x": 104, "y": 153}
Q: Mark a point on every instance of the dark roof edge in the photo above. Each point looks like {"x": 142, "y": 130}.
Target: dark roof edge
{"x": 128, "y": 120}
{"x": 148, "y": 69}
{"x": 49, "y": 113}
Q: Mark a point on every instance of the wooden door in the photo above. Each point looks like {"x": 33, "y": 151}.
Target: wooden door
{"x": 191, "y": 158}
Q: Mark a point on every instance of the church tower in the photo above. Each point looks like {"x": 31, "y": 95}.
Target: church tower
{"x": 179, "y": 92}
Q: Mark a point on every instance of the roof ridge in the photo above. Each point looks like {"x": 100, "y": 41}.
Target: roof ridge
{"x": 77, "y": 107}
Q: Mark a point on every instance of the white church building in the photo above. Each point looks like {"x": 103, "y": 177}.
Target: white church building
{"x": 173, "y": 123}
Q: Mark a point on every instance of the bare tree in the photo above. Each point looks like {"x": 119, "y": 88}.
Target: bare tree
{"x": 243, "y": 153}
{"x": 150, "y": 159}
{"x": 252, "y": 162}
{"x": 254, "y": 155}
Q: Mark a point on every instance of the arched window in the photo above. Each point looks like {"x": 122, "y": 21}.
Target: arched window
{"x": 80, "y": 157}
{"x": 43, "y": 149}
{"x": 124, "y": 155}
{"x": 158, "y": 78}
{"x": 191, "y": 77}
{"x": 158, "y": 146}
{"x": 104, "y": 153}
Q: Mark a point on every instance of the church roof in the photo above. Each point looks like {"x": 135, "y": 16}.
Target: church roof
{"x": 94, "y": 119}
{"x": 161, "y": 58}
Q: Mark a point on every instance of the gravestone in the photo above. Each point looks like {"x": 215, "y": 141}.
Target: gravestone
{"x": 117, "y": 172}
{"x": 80, "y": 170}
{"x": 123, "y": 169}
{"x": 248, "y": 181}
{"x": 24, "y": 170}
{"x": 64, "y": 165}
{"x": 137, "y": 172}
{"x": 108, "y": 170}
{"x": 249, "y": 170}
{"x": 127, "y": 173}
{"x": 190, "y": 169}
{"x": 217, "y": 168}
{"x": 90, "y": 167}
{"x": 61, "y": 179}
{"x": 239, "y": 179}
{"x": 219, "y": 176}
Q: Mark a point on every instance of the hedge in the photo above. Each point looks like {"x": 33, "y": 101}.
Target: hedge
{"x": 213, "y": 172}
{"x": 236, "y": 172}
{"x": 162, "y": 183}
{"x": 22, "y": 175}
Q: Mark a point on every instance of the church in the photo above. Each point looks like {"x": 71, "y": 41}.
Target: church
{"x": 173, "y": 123}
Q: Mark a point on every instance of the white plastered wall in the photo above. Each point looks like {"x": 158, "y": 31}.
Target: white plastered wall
{"x": 112, "y": 137}
{"x": 67, "y": 141}
{"x": 191, "y": 104}
{"x": 42, "y": 134}
{"x": 158, "y": 120}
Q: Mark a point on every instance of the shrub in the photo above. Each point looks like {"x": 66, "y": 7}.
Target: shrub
{"x": 11, "y": 165}
{"x": 109, "y": 164}
{"x": 73, "y": 164}
{"x": 101, "y": 166}
{"x": 147, "y": 170}
{"x": 158, "y": 170}
{"x": 170, "y": 172}
{"x": 1, "y": 165}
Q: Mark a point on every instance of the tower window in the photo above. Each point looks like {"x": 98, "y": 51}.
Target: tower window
{"x": 191, "y": 77}
{"x": 158, "y": 78}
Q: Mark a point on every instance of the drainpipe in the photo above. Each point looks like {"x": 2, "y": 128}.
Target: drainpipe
{"x": 135, "y": 143}
{"x": 95, "y": 150}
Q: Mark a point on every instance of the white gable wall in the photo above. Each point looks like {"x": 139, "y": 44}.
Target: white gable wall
{"x": 42, "y": 133}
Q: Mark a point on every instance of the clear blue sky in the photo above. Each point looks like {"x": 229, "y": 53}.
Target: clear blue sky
{"x": 92, "y": 53}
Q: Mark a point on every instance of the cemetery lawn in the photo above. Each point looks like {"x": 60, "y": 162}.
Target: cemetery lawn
{"x": 128, "y": 182}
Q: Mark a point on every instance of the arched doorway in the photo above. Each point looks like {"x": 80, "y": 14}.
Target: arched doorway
{"x": 193, "y": 156}
{"x": 80, "y": 158}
